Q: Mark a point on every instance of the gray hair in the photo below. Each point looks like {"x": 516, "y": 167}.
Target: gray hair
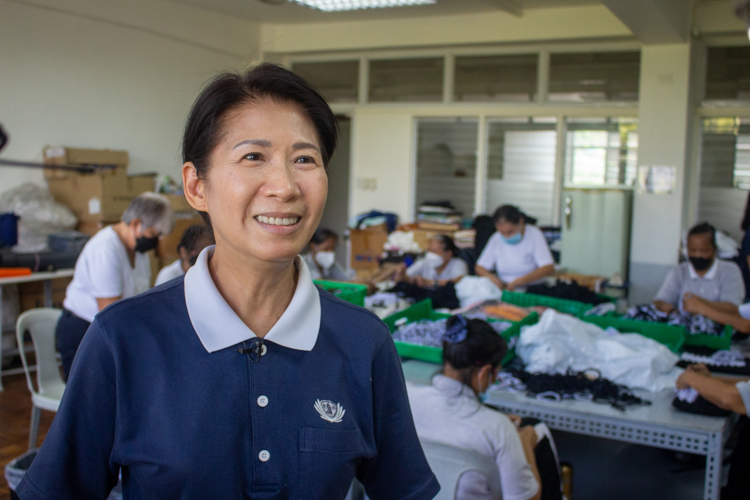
{"x": 153, "y": 210}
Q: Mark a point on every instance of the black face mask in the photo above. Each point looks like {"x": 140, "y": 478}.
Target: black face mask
{"x": 144, "y": 244}
{"x": 701, "y": 264}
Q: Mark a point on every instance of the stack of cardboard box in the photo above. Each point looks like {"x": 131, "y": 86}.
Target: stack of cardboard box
{"x": 97, "y": 199}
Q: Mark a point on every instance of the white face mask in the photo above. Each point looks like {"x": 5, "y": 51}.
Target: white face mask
{"x": 325, "y": 259}
{"x": 433, "y": 259}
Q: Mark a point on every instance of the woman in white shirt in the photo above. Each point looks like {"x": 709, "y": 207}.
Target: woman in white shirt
{"x": 439, "y": 266}
{"x": 450, "y": 412}
{"x": 193, "y": 241}
{"x": 517, "y": 254}
{"x": 113, "y": 265}
{"x": 321, "y": 259}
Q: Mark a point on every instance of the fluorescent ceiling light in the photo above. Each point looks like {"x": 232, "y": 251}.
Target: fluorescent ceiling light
{"x": 338, "y": 5}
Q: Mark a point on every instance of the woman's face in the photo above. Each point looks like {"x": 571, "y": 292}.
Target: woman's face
{"x": 329, "y": 245}
{"x": 436, "y": 247}
{"x": 266, "y": 186}
{"x": 508, "y": 229}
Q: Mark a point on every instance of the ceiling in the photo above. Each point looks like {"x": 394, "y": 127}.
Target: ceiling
{"x": 254, "y": 10}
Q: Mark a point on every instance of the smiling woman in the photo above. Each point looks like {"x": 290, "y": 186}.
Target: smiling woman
{"x": 242, "y": 380}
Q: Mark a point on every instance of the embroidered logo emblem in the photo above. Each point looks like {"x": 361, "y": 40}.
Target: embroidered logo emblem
{"x": 330, "y": 411}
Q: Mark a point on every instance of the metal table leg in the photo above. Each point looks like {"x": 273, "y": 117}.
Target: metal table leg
{"x": 1, "y": 338}
{"x": 47, "y": 293}
{"x": 714, "y": 457}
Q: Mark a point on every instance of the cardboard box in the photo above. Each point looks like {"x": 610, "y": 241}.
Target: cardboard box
{"x": 366, "y": 246}
{"x": 80, "y": 156}
{"x": 423, "y": 236}
{"x": 91, "y": 227}
{"x": 99, "y": 198}
{"x": 179, "y": 204}
{"x": 31, "y": 295}
{"x": 167, "y": 250}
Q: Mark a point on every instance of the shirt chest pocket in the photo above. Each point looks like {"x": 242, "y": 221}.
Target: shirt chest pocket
{"x": 328, "y": 461}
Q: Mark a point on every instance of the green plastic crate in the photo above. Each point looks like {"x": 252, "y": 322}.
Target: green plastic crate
{"x": 671, "y": 336}
{"x": 711, "y": 341}
{"x": 572, "y": 307}
{"x": 350, "y": 292}
{"x": 423, "y": 310}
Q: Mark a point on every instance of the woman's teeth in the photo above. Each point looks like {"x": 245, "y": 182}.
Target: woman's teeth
{"x": 278, "y": 221}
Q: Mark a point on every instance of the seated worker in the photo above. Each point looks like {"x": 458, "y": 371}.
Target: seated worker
{"x": 450, "y": 412}
{"x": 193, "y": 241}
{"x": 717, "y": 282}
{"x": 738, "y": 319}
{"x": 734, "y": 395}
{"x": 439, "y": 266}
{"x": 321, "y": 259}
{"x": 518, "y": 254}
{"x": 112, "y": 266}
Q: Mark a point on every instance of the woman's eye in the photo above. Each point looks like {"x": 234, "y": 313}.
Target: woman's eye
{"x": 306, "y": 159}
{"x": 253, "y": 157}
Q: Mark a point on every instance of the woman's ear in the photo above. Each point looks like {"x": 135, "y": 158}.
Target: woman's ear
{"x": 195, "y": 188}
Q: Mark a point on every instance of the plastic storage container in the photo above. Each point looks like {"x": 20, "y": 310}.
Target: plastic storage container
{"x": 423, "y": 310}
{"x": 573, "y": 307}
{"x": 711, "y": 341}
{"x": 349, "y": 292}
{"x": 671, "y": 336}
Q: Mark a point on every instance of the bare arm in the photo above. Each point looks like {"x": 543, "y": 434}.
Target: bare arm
{"x": 665, "y": 307}
{"x": 697, "y": 305}
{"x": 102, "y": 303}
{"x": 721, "y": 392}
{"x": 528, "y": 441}
{"x": 533, "y": 276}
{"x": 493, "y": 277}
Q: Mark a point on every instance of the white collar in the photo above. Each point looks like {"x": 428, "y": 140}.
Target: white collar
{"x": 451, "y": 386}
{"x": 219, "y": 327}
{"x": 710, "y": 274}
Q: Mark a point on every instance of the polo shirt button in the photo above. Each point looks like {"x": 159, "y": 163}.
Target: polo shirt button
{"x": 262, "y": 401}
{"x": 264, "y": 456}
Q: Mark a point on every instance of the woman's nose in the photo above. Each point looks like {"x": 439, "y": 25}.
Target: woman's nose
{"x": 281, "y": 183}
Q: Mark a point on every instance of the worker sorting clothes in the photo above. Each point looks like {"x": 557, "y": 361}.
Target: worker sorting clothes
{"x": 517, "y": 254}
{"x": 717, "y": 283}
{"x": 439, "y": 266}
{"x": 321, "y": 258}
{"x": 193, "y": 241}
{"x": 112, "y": 266}
{"x": 240, "y": 379}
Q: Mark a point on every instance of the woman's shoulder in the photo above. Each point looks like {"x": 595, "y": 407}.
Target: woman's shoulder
{"x": 344, "y": 320}
{"x": 150, "y": 307}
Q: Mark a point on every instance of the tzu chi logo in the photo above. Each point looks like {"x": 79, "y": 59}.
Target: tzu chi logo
{"x": 330, "y": 411}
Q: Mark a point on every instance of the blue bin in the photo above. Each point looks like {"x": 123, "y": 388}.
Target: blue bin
{"x": 8, "y": 229}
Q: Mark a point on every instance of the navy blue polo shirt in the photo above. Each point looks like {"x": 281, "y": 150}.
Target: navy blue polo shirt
{"x": 153, "y": 393}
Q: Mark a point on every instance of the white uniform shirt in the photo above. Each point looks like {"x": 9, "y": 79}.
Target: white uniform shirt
{"x": 511, "y": 262}
{"x": 448, "y": 412}
{"x": 334, "y": 273}
{"x": 102, "y": 271}
{"x": 170, "y": 272}
{"x": 454, "y": 269}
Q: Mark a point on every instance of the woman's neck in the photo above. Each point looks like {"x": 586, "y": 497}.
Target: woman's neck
{"x": 123, "y": 232}
{"x": 442, "y": 267}
{"x": 258, "y": 291}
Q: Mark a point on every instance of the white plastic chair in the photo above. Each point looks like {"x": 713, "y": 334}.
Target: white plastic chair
{"x": 448, "y": 463}
{"x": 41, "y": 324}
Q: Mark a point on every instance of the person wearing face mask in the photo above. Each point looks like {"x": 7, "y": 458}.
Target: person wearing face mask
{"x": 321, "y": 258}
{"x": 704, "y": 278}
{"x": 450, "y": 412}
{"x": 113, "y": 265}
{"x": 517, "y": 254}
{"x": 193, "y": 241}
{"x": 439, "y": 266}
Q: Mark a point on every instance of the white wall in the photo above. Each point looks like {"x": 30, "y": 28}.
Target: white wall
{"x": 108, "y": 74}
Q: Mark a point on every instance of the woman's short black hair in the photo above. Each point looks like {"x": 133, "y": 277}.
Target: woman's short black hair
{"x": 482, "y": 346}
{"x": 704, "y": 228}
{"x": 194, "y": 236}
{"x": 447, "y": 243}
{"x": 512, "y": 214}
{"x": 322, "y": 234}
{"x": 228, "y": 91}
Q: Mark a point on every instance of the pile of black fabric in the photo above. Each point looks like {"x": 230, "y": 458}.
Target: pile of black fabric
{"x": 443, "y": 297}
{"x": 569, "y": 291}
{"x": 693, "y": 323}
{"x": 689, "y": 401}
{"x": 578, "y": 385}
{"x": 729, "y": 362}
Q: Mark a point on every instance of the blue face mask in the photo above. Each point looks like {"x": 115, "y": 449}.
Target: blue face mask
{"x": 513, "y": 240}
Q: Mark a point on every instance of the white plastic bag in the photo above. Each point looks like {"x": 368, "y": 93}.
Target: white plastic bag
{"x": 560, "y": 341}
{"x": 473, "y": 289}
{"x": 40, "y": 215}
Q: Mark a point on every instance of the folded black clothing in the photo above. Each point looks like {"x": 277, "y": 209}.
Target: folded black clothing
{"x": 689, "y": 401}
{"x": 728, "y": 362}
{"x": 443, "y": 297}
{"x": 569, "y": 291}
{"x": 693, "y": 323}
{"x": 578, "y": 385}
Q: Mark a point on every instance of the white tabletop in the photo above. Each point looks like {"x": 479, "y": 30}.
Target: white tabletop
{"x": 43, "y": 276}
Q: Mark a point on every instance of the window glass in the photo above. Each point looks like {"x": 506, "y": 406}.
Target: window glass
{"x": 406, "y": 80}
{"x": 728, "y": 73}
{"x": 496, "y": 78}
{"x": 592, "y": 77}
{"x": 337, "y": 81}
{"x": 601, "y": 151}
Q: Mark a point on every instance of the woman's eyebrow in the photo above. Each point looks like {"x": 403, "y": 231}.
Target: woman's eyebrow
{"x": 257, "y": 142}
{"x": 305, "y": 145}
